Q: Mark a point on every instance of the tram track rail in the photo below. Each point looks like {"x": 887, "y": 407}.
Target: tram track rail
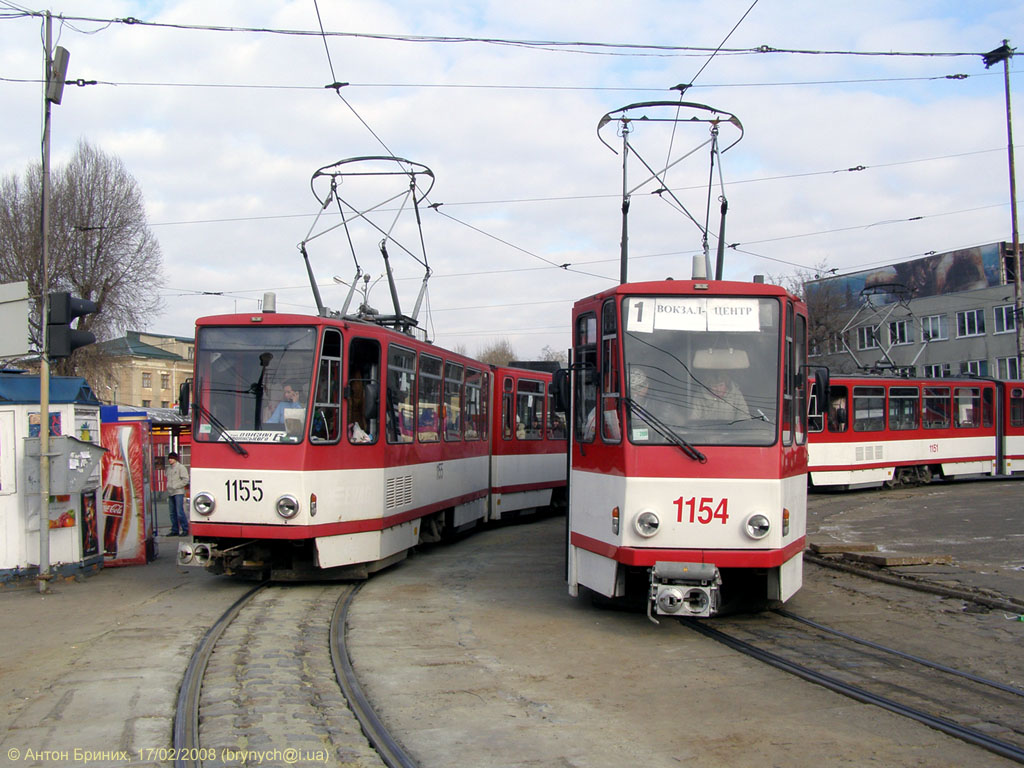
{"x": 387, "y": 747}
{"x": 188, "y": 749}
{"x": 870, "y": 690}
{"x": 993, "y": 602}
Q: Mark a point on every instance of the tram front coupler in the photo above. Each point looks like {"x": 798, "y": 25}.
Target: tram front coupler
{"x": 196, "y": 553}
{"x": 684, "y": 589}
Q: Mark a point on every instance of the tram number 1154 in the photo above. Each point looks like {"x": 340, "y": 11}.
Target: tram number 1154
{"x": 704, "y": 510}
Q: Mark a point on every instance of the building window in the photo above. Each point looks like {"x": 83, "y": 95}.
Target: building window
{"x": 936, "y": 371}
{"x": 165, "y": 381}
{"x": 165, "y": 404}
{"x": 146, "y": 403}
{"x": 831, "y": 345}
{"x": 1004, "y": 319}
{"x": 974, "y": 367}
{"x": 934, "y": 328}
{"x": 866, "y": 337}
{"x": 147, "y": 380}
{"x": 1007, "y": 368}
{"x": 970, "y": 323}
{"x": 901, "y": 332}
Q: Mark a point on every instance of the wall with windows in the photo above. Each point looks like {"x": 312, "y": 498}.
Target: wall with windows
{"x": 968, "y": 332}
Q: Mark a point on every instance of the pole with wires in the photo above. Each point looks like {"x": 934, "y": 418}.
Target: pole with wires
{"x": 624, "y": 241}
{"x": 1004, "y": 53}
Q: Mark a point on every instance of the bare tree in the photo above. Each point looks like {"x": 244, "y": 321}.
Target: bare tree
{"x": 557, "y": 355}
{"x": 498, "y": 352}
{"x": 828, "y": 309}
{"x": 101, "y": 248}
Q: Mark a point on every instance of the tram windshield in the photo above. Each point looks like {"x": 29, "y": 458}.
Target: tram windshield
{"x": 705, "y": 369}
{"x": 252, "y": 384}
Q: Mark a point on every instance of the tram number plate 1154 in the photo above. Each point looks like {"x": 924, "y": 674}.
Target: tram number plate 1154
{"x": 704, "y": 510}
{"x": 244, "y": 490}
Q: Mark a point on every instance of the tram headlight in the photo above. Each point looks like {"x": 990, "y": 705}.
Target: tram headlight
{"x": 287, "y": 506}
{"x": 204, "y": 504}
{"x": 758, "y": 526}
{"x": 646, "y": 523}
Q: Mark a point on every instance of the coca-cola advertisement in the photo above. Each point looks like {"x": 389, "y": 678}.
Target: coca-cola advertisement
{"x": 127, "y": 525}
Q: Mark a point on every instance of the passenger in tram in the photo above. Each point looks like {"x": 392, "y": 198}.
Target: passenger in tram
{"x": 638, "y": 389}
{"x": 359, "y": 428}
{"x": 837, "y": 413}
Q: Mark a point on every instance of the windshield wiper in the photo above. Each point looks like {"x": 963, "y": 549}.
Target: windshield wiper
{"x": 665, "y": 431}
{"x": 235, "y": 445}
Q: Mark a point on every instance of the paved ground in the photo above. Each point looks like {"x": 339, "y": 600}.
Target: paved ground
{"x": 95, "y": 666}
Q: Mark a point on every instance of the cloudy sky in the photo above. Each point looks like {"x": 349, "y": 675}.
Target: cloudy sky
{"x": 223, "y": 127}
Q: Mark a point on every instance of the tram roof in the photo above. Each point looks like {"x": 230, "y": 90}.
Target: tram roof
{"x": 691, "y": 288}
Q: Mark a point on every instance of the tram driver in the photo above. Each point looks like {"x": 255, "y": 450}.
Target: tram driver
{"x": 292, "y": 400}
{"x": 718, "y": 398}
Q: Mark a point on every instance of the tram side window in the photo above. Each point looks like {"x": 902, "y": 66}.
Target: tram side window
{"x": 838, "y": 416}
{"x": 988, "y": 406}
{"x": 935, "y": 408}
{"x": 903, "y": 408}
{"x": 452, "y": 401}
{"x": 530, "y": 409}
{"x": 968, "y": 407}
{"x": 788, "y": 380}
{"x": 507, "y": 408}
{"x": 325, "y": 426}
{"x": 1017, "y": 407}
{"x": 428, "y": 411}
{"x": 868, "y": 409}
{"x": 586, "y": 377}
{"x": 800, "y": 342}
{"x": 399, "y": 413}
{"x": 362, "y": 394}
{"x": 476, "y": 405}
{"x": 610, "y": 430}
{"x": 556, "y": 419}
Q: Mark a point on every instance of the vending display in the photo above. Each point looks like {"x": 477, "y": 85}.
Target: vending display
{"x": 128, "y": 522}
{"x": 113, "y": 506}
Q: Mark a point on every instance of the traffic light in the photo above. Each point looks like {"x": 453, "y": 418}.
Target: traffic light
{"x": 61, "y": 338}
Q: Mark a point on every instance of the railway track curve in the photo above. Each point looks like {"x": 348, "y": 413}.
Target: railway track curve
{"x": 272, "y": 681}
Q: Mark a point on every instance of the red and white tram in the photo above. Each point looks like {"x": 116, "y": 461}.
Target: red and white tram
{"x": 528, "y": 443}
{"x": 689, "y": 451}
{"x": 330, "y": 447}
{"x": 877, "y": 430}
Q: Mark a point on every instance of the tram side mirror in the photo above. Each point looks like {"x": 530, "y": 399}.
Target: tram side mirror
{"x": 370, "y": 400}
{"x": 560, "y": 389}
{"x": 821, "y": 384}
{"x": 184, "y": 397}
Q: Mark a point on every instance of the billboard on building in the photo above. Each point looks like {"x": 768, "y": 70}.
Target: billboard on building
{"x": 952, "y": 272}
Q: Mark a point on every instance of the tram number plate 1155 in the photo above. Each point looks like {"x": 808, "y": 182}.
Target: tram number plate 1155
{"x": 244, "y": 490}
{"x": 704, "y": 510}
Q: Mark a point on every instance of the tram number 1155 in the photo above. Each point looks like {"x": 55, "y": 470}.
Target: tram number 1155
{"x": 704, "y": 510}
{"x": 244, "y": 490}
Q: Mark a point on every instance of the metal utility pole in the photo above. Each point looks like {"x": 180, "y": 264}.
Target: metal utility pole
{"x": 56, "y": 67}
{"x": 1004, "y": 53}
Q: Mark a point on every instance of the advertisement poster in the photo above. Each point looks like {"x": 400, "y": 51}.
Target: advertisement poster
{"x": 33, "y": 424}
{"x": 90, "y": 540}
{"x": 61, "y": 511}
{"x": 125, "y": 529}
